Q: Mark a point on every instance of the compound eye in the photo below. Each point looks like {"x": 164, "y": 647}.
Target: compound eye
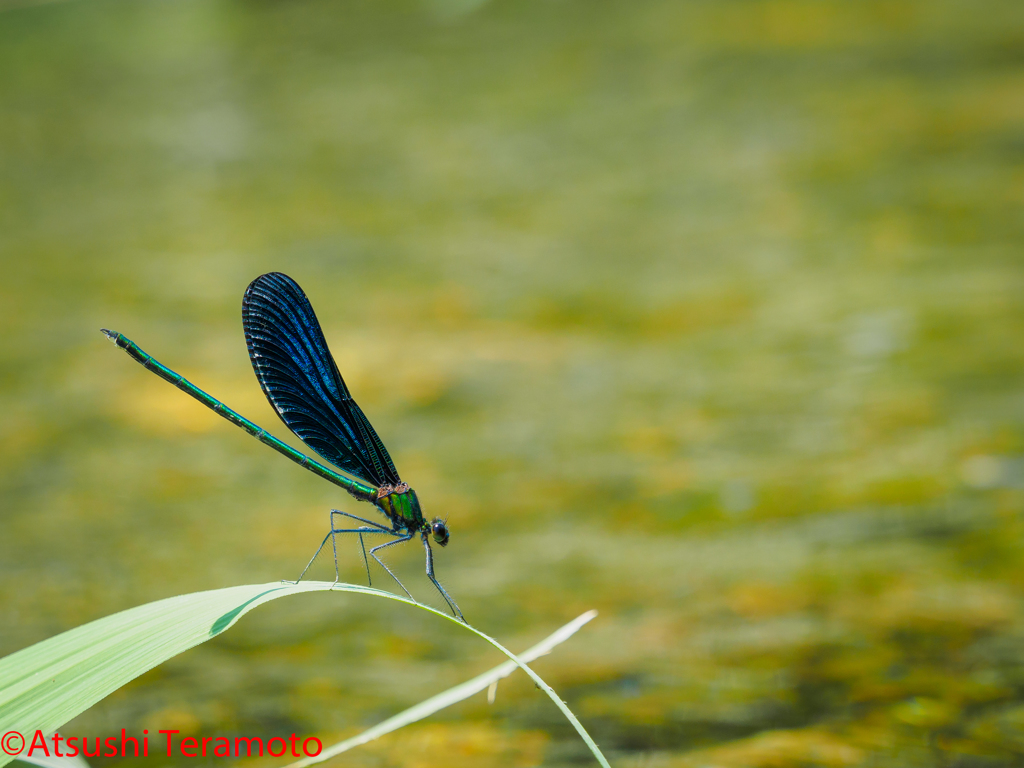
{"x": 440, "y": 532}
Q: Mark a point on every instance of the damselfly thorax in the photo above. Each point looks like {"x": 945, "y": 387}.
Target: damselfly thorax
{"x": 401, "y": 505}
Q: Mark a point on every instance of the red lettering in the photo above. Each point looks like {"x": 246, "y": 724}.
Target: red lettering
{"x": 39, "y": 742}
{"x": 125, "y": 738}
{"x": 270, "y": 747}
{"x": 319, "y": 747}
{"x": 56, "y": 745}
{"x": 85, "y": 747}
{"x": 168, "y": 741}
{"x": 226, "y": 746}
{"x": 248, "y": 746}
{"x": 292, "y": 740}
{"x": 111, "y": 744}
{"x": 68, "y": 742}
{"x": 208, "y": 738}
{"x": 185, "y": 742}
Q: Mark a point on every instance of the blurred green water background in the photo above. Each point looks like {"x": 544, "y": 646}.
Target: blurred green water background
{"x": 707, "y": 315}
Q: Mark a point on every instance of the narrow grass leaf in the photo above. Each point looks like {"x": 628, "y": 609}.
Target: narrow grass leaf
{"x": 47, "y": 684}
{"x": 449, "y": 697}
{"x": 52, "y": 762}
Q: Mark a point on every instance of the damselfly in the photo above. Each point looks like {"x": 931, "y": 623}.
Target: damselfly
{"x": 301, "y": 380}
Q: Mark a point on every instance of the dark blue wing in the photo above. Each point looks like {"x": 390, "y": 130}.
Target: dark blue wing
{"x": 301, "y": 380}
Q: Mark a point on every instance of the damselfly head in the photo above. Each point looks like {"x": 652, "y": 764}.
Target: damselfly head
{"x": 439, "y": 531}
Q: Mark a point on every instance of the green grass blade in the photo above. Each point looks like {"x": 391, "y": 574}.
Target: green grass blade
{"x": 52, "y": 762}
{"x": 449, "y": 697}
{"x": 594, "y": 749}
{"x": 47, "y": 684}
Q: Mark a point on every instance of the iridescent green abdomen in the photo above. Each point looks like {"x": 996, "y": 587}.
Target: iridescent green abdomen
{"x": 400, "y": 504}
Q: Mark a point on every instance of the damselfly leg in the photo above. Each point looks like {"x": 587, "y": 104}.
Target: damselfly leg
{"x": 382, "y": 565}
{"x": 370, "y": 527}
{"x": 430, "y": 575}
